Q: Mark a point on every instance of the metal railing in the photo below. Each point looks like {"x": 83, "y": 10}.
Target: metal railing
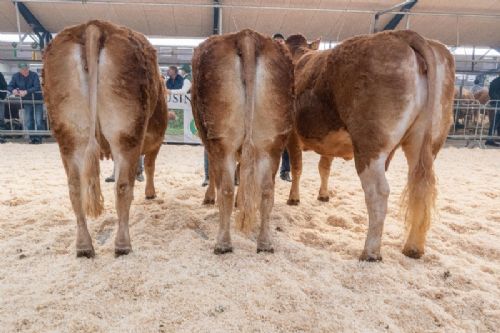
{"x": 474, "y": 122}
{"x": 18, "y": 115}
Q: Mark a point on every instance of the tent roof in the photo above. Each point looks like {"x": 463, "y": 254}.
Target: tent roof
{"x": 194, "y": 18}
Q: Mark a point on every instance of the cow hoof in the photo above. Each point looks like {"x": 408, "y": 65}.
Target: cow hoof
{"x": 209, "y": 202}
{"x": 87, "y": 253}
{"x": 122, "y": 251}
{"x": 323, "y": 199}
{"x": 413, "y": 253}
{"x": 293, "y": 202}
{"x": 370, "y": 257}
{"x": 150, "y": 197}
{"x": 265, "y": 249}
{"x": 218, "y": 250}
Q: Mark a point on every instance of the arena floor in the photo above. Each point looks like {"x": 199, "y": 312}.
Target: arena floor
{"x": 172, "y": 282}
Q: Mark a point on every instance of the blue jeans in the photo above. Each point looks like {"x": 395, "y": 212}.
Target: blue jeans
{"x": 33, "y": 120}
{"x": 285, "y": 162}
{"x": 205, "y": 162}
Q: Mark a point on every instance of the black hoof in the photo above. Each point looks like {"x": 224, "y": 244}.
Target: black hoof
{"x": 209, "y": 202}
{"x": 269, "y": 250}
{"x": 150, "y": 197}
{"x": 85, "y": 253}
{"x": 223, "y": 250}
{"x": 412, "y": 253}
{"x": 122, "y": 252}
{"x": 323, "y": 199}
{"x": 293, "y": 202}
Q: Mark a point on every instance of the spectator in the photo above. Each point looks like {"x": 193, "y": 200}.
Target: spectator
{"x": 494, "y": 116}
{"x": 3, "y": 94}
{"x": 186, "y": 81}
{"x": 26, "y": 85}
{"x": 285, "y": 159}
{"x": 476, "y": 87}
{"x": 174, "y": 81}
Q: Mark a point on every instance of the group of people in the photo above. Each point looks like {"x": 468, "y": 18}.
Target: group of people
{"x": 25, "y": 84}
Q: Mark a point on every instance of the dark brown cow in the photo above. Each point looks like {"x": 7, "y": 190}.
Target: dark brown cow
{"x": 364, "y": 99}
{"x": 104, "y": 95}
{"x": 242, "y": 98}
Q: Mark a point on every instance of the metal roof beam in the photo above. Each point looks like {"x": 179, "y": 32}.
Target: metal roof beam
{"x": 44, "y": 36}
{"x": 393, "y": 23}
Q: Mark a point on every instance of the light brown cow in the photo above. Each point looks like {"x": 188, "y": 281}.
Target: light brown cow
{"x": 364, "y": 99}
{"x": 482, "y": 96}
{"x": 102, "y": 86}
{"x": 242, "y": 98}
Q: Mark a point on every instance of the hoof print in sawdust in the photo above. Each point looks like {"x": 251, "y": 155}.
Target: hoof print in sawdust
{"x": 452, "y": 210}
{"x": 223, "y": 250}
{"x": 337, "y": 221}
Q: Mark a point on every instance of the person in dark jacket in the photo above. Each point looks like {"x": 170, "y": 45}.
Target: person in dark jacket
{"x": 494, "y": 93}
{"x": 175, "y": 81}
{"x": 26, "y": 84}
{"x": 3, "y": 94}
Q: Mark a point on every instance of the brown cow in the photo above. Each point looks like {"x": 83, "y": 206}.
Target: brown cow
{"x": 242, "y": 98}
{"x": 364, "y": 99}
{"x": 104, "y": 96}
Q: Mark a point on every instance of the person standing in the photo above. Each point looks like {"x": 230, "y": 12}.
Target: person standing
{"x": 26, "y": 84}
{"x": 186, "y": 81}
{"x": 494, "y": 115}
{"x": 174, "y": 81}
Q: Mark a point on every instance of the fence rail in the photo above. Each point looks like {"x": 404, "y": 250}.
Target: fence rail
{"x": 473, "y": 122}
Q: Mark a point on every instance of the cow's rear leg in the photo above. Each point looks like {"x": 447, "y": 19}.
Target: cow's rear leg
{"x": 295, "y": 153}
{"x": 266, "y": 172}
{"x": 224, "y": 179}
{"x": 126, "y": 166}
{"x": 376, "y": 191}
{"x": 324, "y": 166}
{"x": 84, "y": 246}
{"x": 420, "y": 192}
{"x": 149, "y": 168}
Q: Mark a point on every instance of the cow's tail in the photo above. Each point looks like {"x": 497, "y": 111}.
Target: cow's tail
{"x": 92, "y": 199}
{"x": 419, "y": 196}
{"x": 248, "y": 191}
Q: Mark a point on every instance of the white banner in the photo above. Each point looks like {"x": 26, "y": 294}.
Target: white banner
{"x": 183, "y": 129}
